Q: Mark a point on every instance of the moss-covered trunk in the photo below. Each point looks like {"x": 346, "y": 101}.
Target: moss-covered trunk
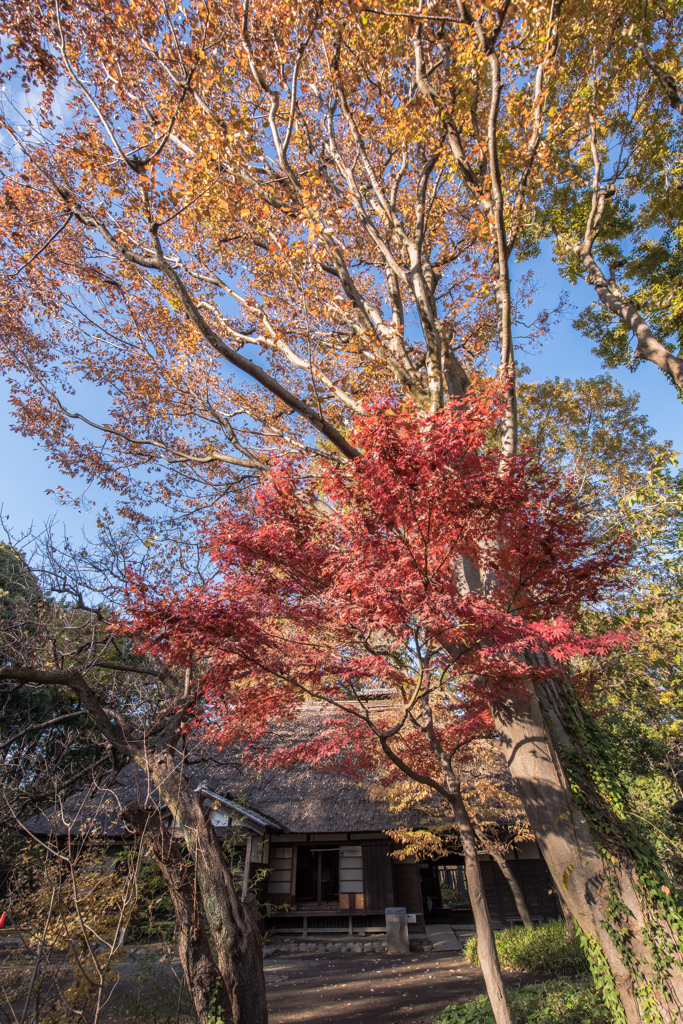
{"x": 232, "y": 922}
{"x": 609, "y": 877}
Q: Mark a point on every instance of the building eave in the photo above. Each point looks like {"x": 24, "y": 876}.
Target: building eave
{"x": 259, "y": 822}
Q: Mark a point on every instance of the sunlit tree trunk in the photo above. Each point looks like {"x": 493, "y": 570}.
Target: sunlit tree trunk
{"x": 617, "y": 901}
{"x": 566, "y": 912}
{"x": 486, "y": 942}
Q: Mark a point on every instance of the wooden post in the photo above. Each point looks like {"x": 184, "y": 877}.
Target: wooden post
{"x": 293, "y": 884}
{"x": 247, "y": 867}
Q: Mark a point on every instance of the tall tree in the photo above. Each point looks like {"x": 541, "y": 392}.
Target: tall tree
{"x": 592, "y": 431}
{"x": 64, "y": 667}
{"x": 234, "y": 219}
{"x": 371, "y": 599}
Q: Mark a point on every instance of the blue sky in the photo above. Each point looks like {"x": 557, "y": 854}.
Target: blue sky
{"x": 568, "y": 354}
{"x": 27, "y": 476}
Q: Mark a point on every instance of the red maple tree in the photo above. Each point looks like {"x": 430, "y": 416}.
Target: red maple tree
{"x": 357, "y": 585}
{"x": 357, "y": 578}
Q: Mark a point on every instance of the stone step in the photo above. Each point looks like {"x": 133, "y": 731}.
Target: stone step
{"x": 443, "y": 938}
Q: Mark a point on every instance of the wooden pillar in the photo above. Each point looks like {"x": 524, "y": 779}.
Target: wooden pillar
{"x": 247, "y": 867}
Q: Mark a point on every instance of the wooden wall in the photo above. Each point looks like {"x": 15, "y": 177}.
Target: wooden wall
{"x": 377, "y": 880}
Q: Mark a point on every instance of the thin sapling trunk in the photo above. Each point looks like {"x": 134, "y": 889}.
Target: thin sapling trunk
{"x": 515, "y": 888}
{"x": 486, "y": 942}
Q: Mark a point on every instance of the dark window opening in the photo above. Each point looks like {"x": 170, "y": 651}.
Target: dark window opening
{"x": 317, "y": 876}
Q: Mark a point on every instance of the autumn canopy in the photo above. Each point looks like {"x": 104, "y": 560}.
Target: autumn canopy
{"x": 363, "y": 578}
{"x": 260, "y": 257}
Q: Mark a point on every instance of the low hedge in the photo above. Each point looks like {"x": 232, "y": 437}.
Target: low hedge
{"x": 552, "y": 1002}
{"x": 546, "y": 949}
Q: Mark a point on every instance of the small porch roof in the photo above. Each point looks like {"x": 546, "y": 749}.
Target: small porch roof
{"x": 255, "y": 821}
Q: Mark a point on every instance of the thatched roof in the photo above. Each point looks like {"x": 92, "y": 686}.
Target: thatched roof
{"x": 299, "y": 799}
{"x": 296, "y": 800}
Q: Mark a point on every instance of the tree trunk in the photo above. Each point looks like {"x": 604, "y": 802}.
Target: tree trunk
{"x": 486, "y": 943}
{"x": 515, "y": 888}
{"x": 649, "y": 346}
{"x": 232, "y": 922}
{"x": 617, "y": 896}
{"x": 202, "y": 977}
{"x": 566, "y": 912}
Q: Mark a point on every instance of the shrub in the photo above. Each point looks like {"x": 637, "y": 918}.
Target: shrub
{"x": 452, "y": 897}
{"x": 552, "y": 1002}
{"x": 546, "y": 949}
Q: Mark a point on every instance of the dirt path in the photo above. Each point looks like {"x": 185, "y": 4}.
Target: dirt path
{"x": 311, "y": 988}
{"x": 321, "y": 988}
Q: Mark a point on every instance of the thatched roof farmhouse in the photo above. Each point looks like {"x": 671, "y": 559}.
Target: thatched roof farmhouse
{"x": 322, "y": 836}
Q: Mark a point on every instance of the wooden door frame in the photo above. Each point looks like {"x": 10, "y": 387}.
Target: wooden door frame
{"x": 317, "y": 850}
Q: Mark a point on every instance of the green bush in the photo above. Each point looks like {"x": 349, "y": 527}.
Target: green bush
{"x": 553, "y": 1002}
{"x": 451, "y": 897}
{"x": 544, "y": 949}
